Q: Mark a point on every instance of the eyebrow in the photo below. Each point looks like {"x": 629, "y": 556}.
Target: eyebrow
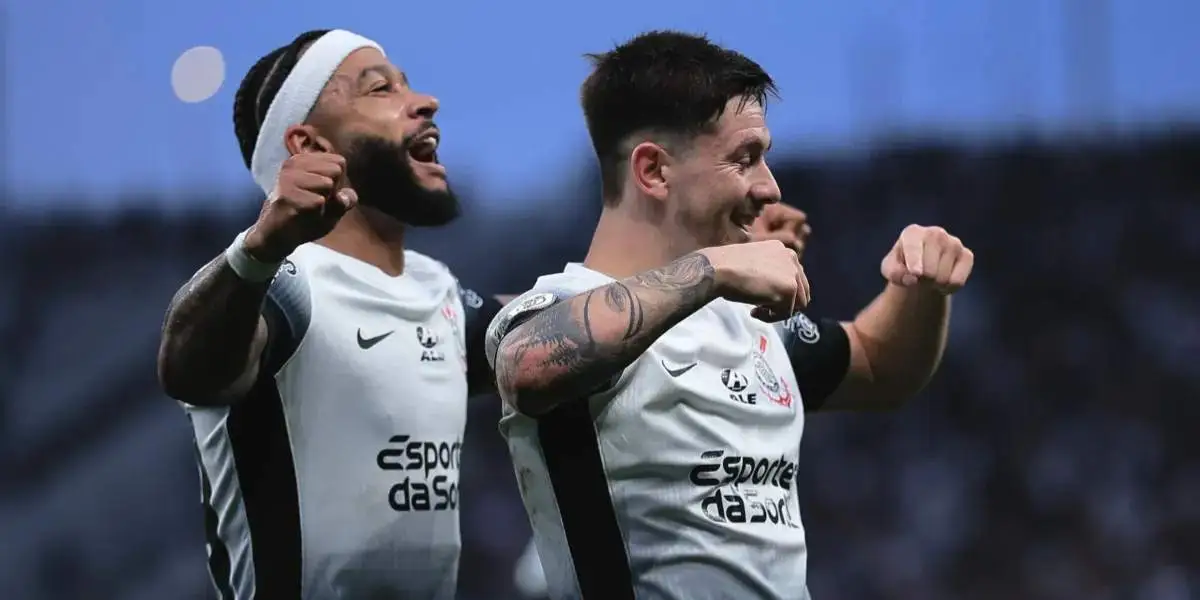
{"x": 385, "y": 71}
{"x": 750, "y": 141}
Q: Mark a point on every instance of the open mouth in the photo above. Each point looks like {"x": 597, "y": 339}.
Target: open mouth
{"x": 423, "y": 148}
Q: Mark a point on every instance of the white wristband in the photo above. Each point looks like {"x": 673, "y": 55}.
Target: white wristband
{"x": 247, "y": 267}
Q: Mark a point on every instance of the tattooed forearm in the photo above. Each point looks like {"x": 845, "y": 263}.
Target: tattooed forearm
{"x": 212, "y": 333}
{"x": 577, "y": 345}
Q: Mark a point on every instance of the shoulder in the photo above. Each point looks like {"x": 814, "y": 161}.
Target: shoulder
{"x": 288, "y": 311}
{"x": 524, "y": 306}
{"x": 291, "y": 287}
{"x": 548, "y": 291}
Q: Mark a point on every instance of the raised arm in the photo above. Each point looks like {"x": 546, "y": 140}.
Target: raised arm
{"x": 219, "y": 323}
{"x": 223, "y": 329}
{"x": 213, "y": 336}
{"x": 547, "y": 349}
{"x": 896, "y": 343}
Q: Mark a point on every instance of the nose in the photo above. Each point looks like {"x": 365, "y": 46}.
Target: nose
{"x": 766, "y": 189}
{"x": 424, "y": 106}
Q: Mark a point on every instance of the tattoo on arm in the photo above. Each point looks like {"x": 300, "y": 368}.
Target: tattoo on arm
{"x": 576, "y": 346}
{"x": 211, "y": 333}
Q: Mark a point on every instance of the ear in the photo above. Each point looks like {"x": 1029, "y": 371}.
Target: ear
{"x": 648, "y": 163}
{"x": 304, "y": 138}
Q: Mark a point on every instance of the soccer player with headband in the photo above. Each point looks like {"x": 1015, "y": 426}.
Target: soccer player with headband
{"x": 325, "y": 368}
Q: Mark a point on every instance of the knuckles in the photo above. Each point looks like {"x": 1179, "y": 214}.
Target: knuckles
{"x": 936, "y": 236}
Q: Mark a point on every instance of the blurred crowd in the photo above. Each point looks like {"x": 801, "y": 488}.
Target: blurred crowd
{"x": 1053, "y": 458}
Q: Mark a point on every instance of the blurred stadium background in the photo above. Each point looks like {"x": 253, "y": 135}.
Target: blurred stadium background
{"x": 1054, "y": 458}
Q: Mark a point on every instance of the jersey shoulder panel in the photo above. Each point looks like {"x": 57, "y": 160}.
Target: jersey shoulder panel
{"x": 288, "y": 312}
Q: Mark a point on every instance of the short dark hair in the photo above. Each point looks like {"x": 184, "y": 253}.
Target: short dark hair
{"x": 667, "y": 82}
{"x": 259, "y": 87}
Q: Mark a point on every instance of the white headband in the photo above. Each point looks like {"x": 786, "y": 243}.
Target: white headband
{"x": 296, "y": 99}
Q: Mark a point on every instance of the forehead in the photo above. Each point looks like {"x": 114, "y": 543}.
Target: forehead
{"x": 742, "y": 118}
{"x": 362, "y": 61}
{"x": 743, "y": 122}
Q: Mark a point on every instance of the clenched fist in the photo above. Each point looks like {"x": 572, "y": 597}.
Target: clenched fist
{"x": 928, "y": 256}
{"x": 766, "y": 274}
{"x": 310, "y": 196}
{"x": 784, "y": 223}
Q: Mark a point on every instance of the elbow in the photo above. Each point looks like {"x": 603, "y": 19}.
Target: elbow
{"x": 170, "y": 374}
{"x": 523, "y": 385}
{"x": 884, "y": 377}
{"x": 180, "y": 381}
{"x": 902, "y": 382}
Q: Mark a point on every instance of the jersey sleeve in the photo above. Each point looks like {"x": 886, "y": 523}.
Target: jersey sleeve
{"x": 516, "y": 312}
{"x": 478, "y": 312}
{"x": 820, "y": 356}
{"x": 288, "y": 312}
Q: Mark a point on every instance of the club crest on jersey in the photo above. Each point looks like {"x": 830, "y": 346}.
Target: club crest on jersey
{"x": 428, "y": 338}
{"x": 775, "y": 389}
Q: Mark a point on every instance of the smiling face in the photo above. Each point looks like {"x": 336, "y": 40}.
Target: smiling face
{"x": 679, "y": 128}
{"x": 720, "y": 183}
{"x": 369, "y": 114}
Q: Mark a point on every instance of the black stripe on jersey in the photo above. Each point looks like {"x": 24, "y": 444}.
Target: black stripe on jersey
{"x": 262, "y": 448}
{"x": 572, "y": 453}
{"x": 218, "y": 550}
{"x": 266, "y": 474}
{"x": 262, "y": 455}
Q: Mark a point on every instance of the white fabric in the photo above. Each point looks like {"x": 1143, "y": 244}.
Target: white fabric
{"x": 296, "y": 99}
{"x": 697, "y": 442}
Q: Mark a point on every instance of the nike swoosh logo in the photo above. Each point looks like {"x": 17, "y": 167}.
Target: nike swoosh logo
{"x": 679, "y": 371}
{"x": 367, "y": 343}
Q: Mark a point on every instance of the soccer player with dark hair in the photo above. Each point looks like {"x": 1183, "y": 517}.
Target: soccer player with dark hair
{"x": 655, "y": 395}
{"x": 325, "y": 368}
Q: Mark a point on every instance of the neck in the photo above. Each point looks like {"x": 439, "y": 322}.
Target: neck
{"x": 628, "y": 241}
{"x": 370, "y": 236}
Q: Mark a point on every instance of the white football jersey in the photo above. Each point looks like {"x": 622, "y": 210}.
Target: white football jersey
{"x": 337, "y": 475}
{"x": 676, "y": 482}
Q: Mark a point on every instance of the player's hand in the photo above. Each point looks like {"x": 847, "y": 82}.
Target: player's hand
{"x": 928, "y": 256}
{"x": 310, "y": 195}
{"x": 766, "y": 274}
{"x": 784, "y": 223}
